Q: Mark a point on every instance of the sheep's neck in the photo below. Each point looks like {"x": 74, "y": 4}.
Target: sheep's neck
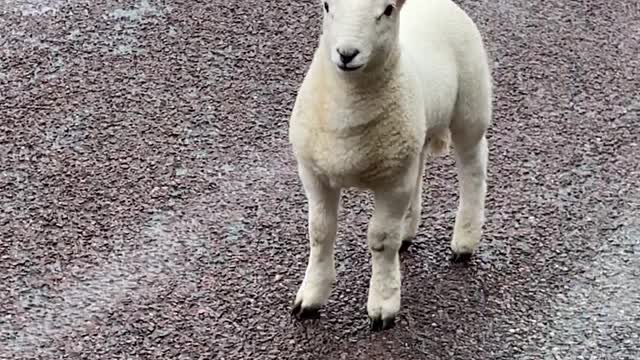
{"x": 356, "y": 100}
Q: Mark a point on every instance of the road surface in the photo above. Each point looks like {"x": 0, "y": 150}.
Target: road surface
{"x": 150, "y": 207}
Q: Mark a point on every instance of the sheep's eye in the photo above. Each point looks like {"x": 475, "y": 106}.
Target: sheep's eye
{"x": 326, "y": 6}
{"x": 389, "y": 10}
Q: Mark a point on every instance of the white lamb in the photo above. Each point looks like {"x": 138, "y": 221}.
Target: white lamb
{"x": 391, "y": 82}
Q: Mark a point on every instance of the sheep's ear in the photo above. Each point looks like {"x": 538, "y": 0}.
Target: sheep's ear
{"x": 399, "y": 3}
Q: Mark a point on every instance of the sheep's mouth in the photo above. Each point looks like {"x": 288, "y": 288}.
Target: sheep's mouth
{"x": 347, "y": 68}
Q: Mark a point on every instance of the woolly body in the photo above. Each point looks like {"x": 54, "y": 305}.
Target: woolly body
{"x": 374, "y": 130}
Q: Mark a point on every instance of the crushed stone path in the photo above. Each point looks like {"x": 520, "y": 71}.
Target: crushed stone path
{"x": 150, "y": 207}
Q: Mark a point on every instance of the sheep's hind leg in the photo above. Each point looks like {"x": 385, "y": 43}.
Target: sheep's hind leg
{"x": 384, "y": 237}
{"x": 320, "y": 274}
{"x": 414, "y": 210}
{"x": 471, "y": 163}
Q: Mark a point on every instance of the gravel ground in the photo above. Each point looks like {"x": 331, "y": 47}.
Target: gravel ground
{"x": 151, "y": 207}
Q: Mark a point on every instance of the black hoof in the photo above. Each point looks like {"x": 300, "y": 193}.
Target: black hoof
{"x": 406, "y": 244}
{"x": 380, "y": 324}
{"x": 460, "y": 258}
{"x": 305, "y": 313}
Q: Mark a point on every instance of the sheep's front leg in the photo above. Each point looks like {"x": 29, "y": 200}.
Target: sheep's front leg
{"x": 385, "y": 233}
{"x": 320, "y": 274}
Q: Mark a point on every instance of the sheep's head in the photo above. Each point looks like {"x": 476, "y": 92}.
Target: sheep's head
{"x": 360, "y": 34}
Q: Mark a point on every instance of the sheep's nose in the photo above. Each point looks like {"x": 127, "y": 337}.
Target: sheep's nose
{"x": 348, "y": 54}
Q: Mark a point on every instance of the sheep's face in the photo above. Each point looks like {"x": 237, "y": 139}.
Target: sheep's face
{"x": 360, "y": 34}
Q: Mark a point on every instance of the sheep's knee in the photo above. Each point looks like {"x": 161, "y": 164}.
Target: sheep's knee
{"x": 323, "y": 226}
{"x": 438, "y": 142}
{"x": 387, "y": 226}
{"x": 384, "y": 240}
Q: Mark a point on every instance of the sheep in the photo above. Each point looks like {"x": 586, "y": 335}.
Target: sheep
{"x": 391, "y": 82}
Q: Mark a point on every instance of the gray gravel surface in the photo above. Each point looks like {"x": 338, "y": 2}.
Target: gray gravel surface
{"x": 150, "y": 207}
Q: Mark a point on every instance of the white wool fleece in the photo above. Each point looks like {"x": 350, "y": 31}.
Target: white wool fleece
{"x": 391, "y": 82}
